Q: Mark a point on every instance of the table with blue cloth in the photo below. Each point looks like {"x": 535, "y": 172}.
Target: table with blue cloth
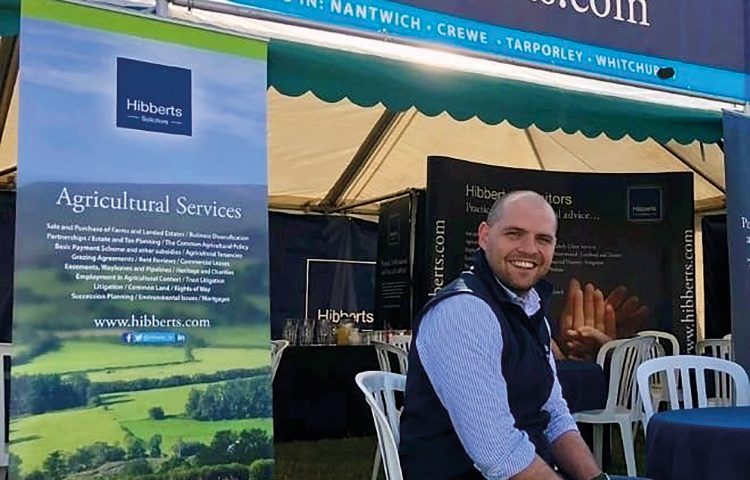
{"x": 584, "y": 385}
{"x": 699, "y": 444}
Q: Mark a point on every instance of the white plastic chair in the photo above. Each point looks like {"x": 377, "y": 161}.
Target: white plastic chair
{"x": 728, "y": 336}
{"x": 604, "y": 351}
{"x": 663, "y": 338}
{"x": 401, "y": 341}
{"x": 379, "y": 389}
{"x": 659, "y": 392}
{"x": 623, "y": 403}
{"x": 382, "y": 349}
{"x": 277, "y": 349}
{"x": 737, "y": 387}
{"x": 716, "y": 347}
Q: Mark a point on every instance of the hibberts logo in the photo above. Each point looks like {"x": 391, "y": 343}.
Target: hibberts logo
{"x": 148, "y": 107}
{"x": 154, "y": 97}
{"x": 644, "y": 204}
{"x": 340, "y": 316}
{"x": 630, "y": 11}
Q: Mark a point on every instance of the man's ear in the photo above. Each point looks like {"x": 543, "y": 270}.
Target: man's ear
{"x": 484, "y": 233}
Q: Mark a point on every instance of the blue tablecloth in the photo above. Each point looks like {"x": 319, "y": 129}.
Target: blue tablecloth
{"x": 699, "y": 444}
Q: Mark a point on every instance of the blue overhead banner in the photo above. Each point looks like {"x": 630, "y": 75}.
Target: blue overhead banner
{"x": 684, "y": 45}
{"x": 737, "y": 166}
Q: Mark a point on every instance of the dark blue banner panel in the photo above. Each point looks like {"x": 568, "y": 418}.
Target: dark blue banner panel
{"x": 322, "y": 268}
{"x": 629, "y": 235}
{"x": 737, "y": 166}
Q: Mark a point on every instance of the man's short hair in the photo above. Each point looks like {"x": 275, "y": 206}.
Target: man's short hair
{"x": 498, "y": 207}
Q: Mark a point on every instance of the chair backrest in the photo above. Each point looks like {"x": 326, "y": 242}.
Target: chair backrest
{"x": 401, "y": 341}
{"x": 728, "y": 336}
{"x": 379, "y": 389}
{"x": 692, "y": 385}
{"x": 383, "y": 349}
{"x": 277, "y": 349}
{"x": 658, "y": 350}
{"x": 663, "y": 338}
{"x": 604, "y": 355}
{"x": 719, "y": 348}
{"x": 628, "y": 354}
{"x": 716, "y": 347}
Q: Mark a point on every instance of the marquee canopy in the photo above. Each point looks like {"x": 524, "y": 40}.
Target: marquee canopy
{"x": 354, "y": 119}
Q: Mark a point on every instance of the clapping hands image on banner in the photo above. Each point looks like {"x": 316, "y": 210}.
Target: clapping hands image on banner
{"x": 588, "y": 319}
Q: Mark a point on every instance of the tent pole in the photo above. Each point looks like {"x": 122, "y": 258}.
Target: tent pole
{"x": 360, "y": 159}
{"x": 685, "y": 162}
{"x": 534, "y": 149}
{"x": 369, "y": 201}
{"x": 290, "y": 207}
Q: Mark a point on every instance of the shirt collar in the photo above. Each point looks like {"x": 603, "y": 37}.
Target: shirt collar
{"x": 531, "y": 302}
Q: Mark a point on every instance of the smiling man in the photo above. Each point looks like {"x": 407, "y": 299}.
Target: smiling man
{"x": 482, "y": 398}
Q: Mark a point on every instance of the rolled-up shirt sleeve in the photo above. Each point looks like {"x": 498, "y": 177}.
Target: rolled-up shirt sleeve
{"x": 460, "y": 346}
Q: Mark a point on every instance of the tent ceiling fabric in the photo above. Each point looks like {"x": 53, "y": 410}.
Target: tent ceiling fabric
{"x": 9, "y": 139}
{"x": 308, "y": 151}
{"x": 312, "y": 141}
{"x": 333, "y": 75}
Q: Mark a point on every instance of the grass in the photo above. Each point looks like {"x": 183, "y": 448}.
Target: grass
{"x": 616, "y": 463}
{"x": 131, "y": 411}
{"x": 85, "y": 355}
{"x": 104, "y": 361}
{"x": 128, "y": 406}
{"x": 351, "y": 458}
{"x": 33, "y": 438}
{"x": 207, "y": 360}
{"x": 343, "y": 459}
{"x": 42, "y": 281}
{"x": 174, "y": 429}
{"x": 36, "y": 436}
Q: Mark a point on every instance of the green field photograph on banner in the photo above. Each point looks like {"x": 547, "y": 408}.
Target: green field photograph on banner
{"x": 141, "y": 297}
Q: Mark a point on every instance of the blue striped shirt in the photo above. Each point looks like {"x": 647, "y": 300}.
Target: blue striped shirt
{"x": 460, "y": 347}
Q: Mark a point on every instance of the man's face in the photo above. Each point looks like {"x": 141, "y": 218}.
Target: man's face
{"x": 519, "y": 246}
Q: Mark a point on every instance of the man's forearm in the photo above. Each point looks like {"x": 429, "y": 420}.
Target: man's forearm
{"x": 538, "y": 470}
{"x": 574, "y": 457}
